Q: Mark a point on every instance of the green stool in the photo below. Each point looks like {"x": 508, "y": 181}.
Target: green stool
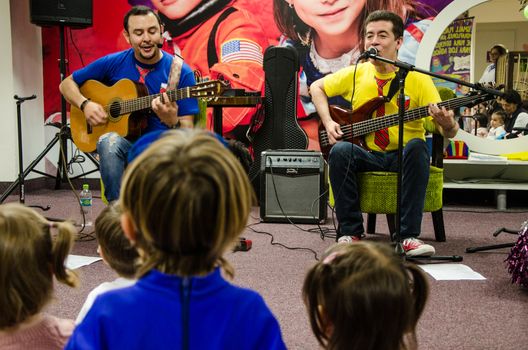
{"x": 377, "y": 194}
{"x": 377, "y": 191}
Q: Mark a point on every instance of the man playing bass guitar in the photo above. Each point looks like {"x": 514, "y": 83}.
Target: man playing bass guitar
{"x": 383, "y": 30}
{"x": 145, "y": 63}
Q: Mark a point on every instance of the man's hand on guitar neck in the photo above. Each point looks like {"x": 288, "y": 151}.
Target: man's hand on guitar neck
{"x": 166, "y": 110}
{"x": 445, "y": 119}
{"x": 95, "y": 114}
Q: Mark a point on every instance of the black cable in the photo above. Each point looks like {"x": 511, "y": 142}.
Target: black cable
{"x": 272, "y": 242}
{"x": 338, "y": 193}
{"x": 81, "y": 236}
{"x": 76, "y": 48}
{"x": 280, "y": 205}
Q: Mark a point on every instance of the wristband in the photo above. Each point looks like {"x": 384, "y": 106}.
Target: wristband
{"x": 83, "y": 104}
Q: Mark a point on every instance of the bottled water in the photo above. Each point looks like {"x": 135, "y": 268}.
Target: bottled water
{"x": 86, "y": 205}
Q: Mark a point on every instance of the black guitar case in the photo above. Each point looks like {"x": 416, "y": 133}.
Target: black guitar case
{"x": 280, "y": 128}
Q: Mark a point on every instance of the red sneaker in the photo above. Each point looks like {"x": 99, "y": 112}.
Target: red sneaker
{"x": 348, "y": 239}
{"x": 415, "y": 247}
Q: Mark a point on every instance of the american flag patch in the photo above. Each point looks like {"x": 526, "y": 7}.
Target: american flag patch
{"x": 241, "y": 50}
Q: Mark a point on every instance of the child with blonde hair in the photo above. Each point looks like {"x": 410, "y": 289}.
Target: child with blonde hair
{"x": 185, "y": 200}
{"x": 362, "y": 296}
{"x": 32, "y": 251}
{"x": 116, "y": 251}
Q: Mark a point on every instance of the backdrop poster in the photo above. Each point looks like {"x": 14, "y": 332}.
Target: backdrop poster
{"x": 452, "y": 54}
{"x": 105, "y": 36}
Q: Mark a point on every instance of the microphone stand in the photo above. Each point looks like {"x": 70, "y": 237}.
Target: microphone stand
{"x": 405, "y": 68}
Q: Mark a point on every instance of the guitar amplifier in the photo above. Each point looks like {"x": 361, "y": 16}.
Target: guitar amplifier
{"x": 293, "y": 186}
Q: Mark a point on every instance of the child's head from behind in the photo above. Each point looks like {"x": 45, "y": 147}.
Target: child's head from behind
{"x": 114, "y": 247}
{"x": 362, "y": 296}
{"x": 32, "y": 251}
{"x": 497, "y": 118}
{"x": 185, "y": 199}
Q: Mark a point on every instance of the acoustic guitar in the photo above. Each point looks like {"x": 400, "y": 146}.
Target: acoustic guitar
{"x": 125, "y": 103}
{"x": 358, "y": 123}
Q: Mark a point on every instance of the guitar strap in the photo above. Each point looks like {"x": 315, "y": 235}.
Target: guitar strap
{"x": 212, "y": 57}
{"x": 175, "y": 71}
{"x": 393, "y": 89}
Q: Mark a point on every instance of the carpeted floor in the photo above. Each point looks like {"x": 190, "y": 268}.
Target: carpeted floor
{"x": 490, "y": 314}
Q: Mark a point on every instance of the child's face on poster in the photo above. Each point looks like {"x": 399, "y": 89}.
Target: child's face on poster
{"x": 329, "y": 17}
{"x": 175, "y": 9}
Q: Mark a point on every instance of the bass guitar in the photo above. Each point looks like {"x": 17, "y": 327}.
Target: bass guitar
{"x": 358, "y": 123}
{"x": 121, "y": 101}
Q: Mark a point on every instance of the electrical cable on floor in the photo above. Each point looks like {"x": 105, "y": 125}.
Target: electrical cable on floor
{"x": 250, "y": 226}
{"x": 81, "y": 236}
{"x": 282, "y": 210}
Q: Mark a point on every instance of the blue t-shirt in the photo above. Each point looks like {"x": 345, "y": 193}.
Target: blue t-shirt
{"x": 123, "y": 65}
{"x": 154, "y": 313}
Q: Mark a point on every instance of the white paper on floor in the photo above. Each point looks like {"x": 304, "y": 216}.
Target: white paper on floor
{"x": 75, "y": 261}
{"x": 451, "y": 272}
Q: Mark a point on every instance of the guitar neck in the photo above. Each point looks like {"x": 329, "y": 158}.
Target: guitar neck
{"x": 145, "y": 102}
{"x": 371, "y": 125}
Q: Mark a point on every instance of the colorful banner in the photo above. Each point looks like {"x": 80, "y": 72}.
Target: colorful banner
{"x": 452, "y": 54}
{"x": 105, "y": 36}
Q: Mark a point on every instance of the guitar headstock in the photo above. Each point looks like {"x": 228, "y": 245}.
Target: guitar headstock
{"x": 209, "y": 88}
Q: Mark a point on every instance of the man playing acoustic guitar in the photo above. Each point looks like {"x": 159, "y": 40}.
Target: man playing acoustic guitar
{"x": 383, "y": 31}
{"x": 145, "y": 63}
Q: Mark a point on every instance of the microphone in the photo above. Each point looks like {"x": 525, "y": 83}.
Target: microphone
{"x": 371, "y": 51}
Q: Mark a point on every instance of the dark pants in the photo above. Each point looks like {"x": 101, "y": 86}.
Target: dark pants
{"x": 347, "y": 159}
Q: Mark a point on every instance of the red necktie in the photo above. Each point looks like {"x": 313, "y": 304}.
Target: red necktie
{"x": 381, "y": 137}
{"x": 142, "y": 73}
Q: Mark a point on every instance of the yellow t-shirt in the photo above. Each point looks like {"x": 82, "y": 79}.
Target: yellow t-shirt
{"x": 419, "y": 92}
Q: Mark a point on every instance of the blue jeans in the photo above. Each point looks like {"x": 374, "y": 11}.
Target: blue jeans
{"x": 113, "y": 151}
{"x": 347, "y": 159}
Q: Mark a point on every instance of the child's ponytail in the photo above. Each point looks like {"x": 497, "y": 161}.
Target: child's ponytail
{"x": 420, "y": 290}
{"x": 63, "y": 234}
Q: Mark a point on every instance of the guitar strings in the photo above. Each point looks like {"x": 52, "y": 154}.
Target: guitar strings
{"x": 367, "y": 126}
{"x": 124, "y": 107}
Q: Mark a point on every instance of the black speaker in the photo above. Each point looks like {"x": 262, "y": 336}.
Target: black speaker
{"x": 293, "y": 187}
{"x": 279, "y": 129}
{"x": 74, "y": 13}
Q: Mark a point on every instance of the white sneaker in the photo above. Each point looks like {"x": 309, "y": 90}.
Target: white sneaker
{"x": 415, "y": 247}
{"x": 348, "y": 239}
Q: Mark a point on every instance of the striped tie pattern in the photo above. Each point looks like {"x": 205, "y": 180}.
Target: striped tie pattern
{"x": 381, "y": 137}
{"x": 142, "y": 73}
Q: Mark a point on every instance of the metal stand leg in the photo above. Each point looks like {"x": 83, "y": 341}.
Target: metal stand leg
{"x": 495, "y": 246}
{"x": 25, "y": 173}
{"x": 63, "y": 136}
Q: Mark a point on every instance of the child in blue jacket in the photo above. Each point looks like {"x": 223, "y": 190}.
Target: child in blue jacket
{"x": 185, "y": 200}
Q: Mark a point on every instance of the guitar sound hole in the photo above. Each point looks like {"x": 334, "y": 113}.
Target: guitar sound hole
{"x": 114, "y": 110}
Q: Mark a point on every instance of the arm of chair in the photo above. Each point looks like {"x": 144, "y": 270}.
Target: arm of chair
{"x": 437, "y": 158}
